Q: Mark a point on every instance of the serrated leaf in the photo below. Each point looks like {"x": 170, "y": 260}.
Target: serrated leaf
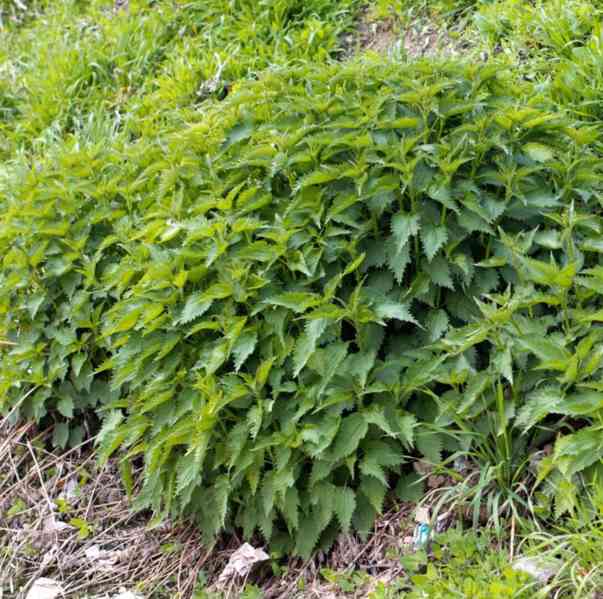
{"x": 261, "y": 375}
{"x": 433, "y": 238}
{"x": 397, "y": 260}
{"x": 194, "y": 307}
{"x": 538, "y": 405}
{"x": 394, "y": 310}
{"x": 308, "y": 535}
{"x": 326, "y": 362}
{"x": 374, "y": 490}
{"x": 298, "y": 301}
{"x": 404, "y": 226}
{"x": 60, "y": 435}
{"x": 430, "y": 445}
{"x": 243, "y": 348}
{"x": 306, "y": 344}
{"x": 407, "y": 424}
{"x": 538, "y": 152}
{"x": 352, "y": 430}
{"x": 436, "y": 324}
{"x": 344, "y": 506}
{"x": 376, "y": 416}
{"x": 575, "y": 452}
{"x": 504, "y": 364}
{"x": 410, "y": 488}
{"x": 439, "y": 272}
{"x": 291, "y": 508}
{"x": 65, "y": 407}
{"x": 547, "y": 350}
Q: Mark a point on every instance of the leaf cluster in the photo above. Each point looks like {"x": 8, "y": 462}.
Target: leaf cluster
{"x": 274, "y": 305}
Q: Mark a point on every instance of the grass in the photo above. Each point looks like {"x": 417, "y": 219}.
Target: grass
{"x": 80, "y": 76}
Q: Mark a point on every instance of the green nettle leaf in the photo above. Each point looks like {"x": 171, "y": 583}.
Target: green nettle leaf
{"x": 344, "y": 506}
{"x": 437, "y": 324}
{"x": 503, "y": 362}
{"x": 394, "y": 310}
{"x": 308, "y": 534}
{"x": 551, "y": 353}
{"x": 398, "y": 260}
{"x": 404, "y": 226}
{"x": 573, "y": 453}
{"x": 196, "y": 305}
{"x": 430, "y": 445}
{"x": 352, "y": 430}
{"x": 374, "y": 490}
{"x": 407, "y": 424}
{"x": 327, "y": 361}
{"x": 295, "y": 300}
{"x": 188, "y": 468}
{"x": 439, "y": 272}
{"x": 410, "y": 488}
{"x": 60, "y": 435}
{"x": 376, "y": 415}
{"x": 539, "y": 404}
{"x": 243, "y": 348}
{"x": 539, "y": 152}
{"x": 306, "y": 344}
{"x": 65, "y": 407}
{"x": 433, "y": 238}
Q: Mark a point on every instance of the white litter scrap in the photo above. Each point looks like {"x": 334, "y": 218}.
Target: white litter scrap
{"x": 123, "y": 594}
{"x": 45, "y": 588}
{"x": 241, "y": 562}
{"x": 422, "y": 515}
{"x": 539, "y": 569}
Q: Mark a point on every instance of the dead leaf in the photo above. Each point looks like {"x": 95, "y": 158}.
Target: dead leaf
{"x": 51, "y": 524}
{"x": 45, "y": 588}
{"x": 241, "y": 562}
{"x": 422, "y": 467}
{"x": 101, "y": 559}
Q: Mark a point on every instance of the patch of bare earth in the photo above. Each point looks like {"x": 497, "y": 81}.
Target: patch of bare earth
{"x": 420, "y": 37}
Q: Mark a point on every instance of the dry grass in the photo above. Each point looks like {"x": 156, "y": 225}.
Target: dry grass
{"x": 61, "y": 517}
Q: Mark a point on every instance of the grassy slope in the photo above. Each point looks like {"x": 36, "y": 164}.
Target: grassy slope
{"x": 76, "y": 74}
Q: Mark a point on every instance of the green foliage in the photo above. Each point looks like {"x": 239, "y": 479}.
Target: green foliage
{"x": 467, "y": 565}
{"x": 578, "y": 84}
{"x": 260, "y": 328}
{"x": 81, "y": 62}
{"x": 576, "y": 549}
{"x": 542, "y": 29}
{"x": 275, "y": 291}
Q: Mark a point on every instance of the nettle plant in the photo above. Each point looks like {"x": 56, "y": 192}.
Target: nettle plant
{"x": 268, "y": 289}
{"x": 538, "y": 379}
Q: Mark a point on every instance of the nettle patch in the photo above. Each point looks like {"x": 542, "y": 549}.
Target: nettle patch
{"x": 276, "y": 307}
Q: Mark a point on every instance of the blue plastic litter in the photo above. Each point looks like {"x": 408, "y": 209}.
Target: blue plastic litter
{"x": 421, "y": 536}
